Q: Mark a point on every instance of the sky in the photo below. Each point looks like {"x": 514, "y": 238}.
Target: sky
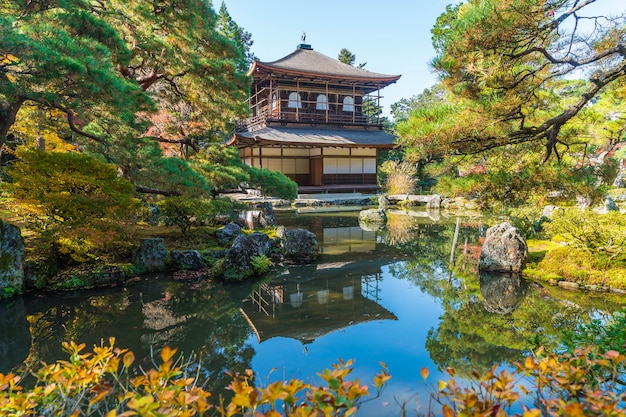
{"x": 392, "y": 36}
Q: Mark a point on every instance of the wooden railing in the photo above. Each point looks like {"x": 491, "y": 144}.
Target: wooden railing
{"x": 335, "y": 117}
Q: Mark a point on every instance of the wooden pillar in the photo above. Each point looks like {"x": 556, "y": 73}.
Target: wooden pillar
{"x": 378, "y": 104}
{"x": 354, "y": 103}
{"x": 270, "y": 100}
{"x": 327, "y": 102}
{"x": 298, "y": 99}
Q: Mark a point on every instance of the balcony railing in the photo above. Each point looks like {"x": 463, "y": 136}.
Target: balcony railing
{"x": 305, "y": 116}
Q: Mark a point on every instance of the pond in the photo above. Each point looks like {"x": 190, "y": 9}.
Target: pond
{"x": 387, "y": 295}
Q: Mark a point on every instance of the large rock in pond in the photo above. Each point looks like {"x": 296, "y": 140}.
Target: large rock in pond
{"x": 434, "y": 203}
{"x": 300, "y": 245}
{"x": 11, "y": 258}
{"x": 373, "y": 216}
{"x": 383, "y": 202}
{"x": 266, "y": 215}
{"x": 238, "y": 261}
{"x": 504, "y": 250}
{"x": 227, "y": 234}
{"x": 187, "y": 260}
{"x": 152, "y": 255}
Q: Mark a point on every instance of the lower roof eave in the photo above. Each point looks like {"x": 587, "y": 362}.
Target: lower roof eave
{"x": 311, "y": 138}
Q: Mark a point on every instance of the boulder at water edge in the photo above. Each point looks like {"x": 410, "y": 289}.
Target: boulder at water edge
{"x": 186, "y": 260}
{"x": 434, "y": 203}
{"x": 266, "y": 215}
{"x": 383, "y": 202}
{"x": 300, "y": 245}
{"x": 373, "y": 216}
{"x": 152, "y": 255}
{"x": 504, "y": 250}
{"x": 238, "y": 261}
{"x": 227, "y": 234}
{"x": 11, "y": 259}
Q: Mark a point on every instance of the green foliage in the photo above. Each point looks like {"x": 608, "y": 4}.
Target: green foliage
{"x": 235, "y": 33}
{"x": 458, "y": 186}
{"x": 64, "y": 187}
{"x": 72, "y": 283}
{"x": 63, "y": 58}
{"x": 8, "y": 292}
{"x": 129, "y": 78}
{"x": 502, "y": 181}
{"x": 601, "y": 336}
{"x": 428, "y": 98}
{"x": 223, "y": 169}
{"x": 184, "y": 212}
{"x": 78, "y": 203}
{"x": 261, "y": 264}
{"x": 580, "y": 266}
{"x": 273, "y": 183}
{"x": 602, "y": 235}
{"x": 528, "y": 219}
{"x": 346, "y": 56}
{"x": 509, "y": 110}
{"x": 486, "y": 55}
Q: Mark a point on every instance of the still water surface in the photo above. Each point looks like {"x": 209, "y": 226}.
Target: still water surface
{"x": 385, "y": 295}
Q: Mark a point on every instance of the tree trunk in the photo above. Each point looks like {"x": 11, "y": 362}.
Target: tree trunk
{"x": 150, "y": 190}
{"x": 8, "y": 113}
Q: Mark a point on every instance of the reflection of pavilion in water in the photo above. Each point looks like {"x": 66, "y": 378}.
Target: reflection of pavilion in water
{"x": 306, "y": 310}
{"x": 310, "y": 301}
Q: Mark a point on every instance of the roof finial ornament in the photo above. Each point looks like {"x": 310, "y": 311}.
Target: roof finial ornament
{"x": 303, "y": 44}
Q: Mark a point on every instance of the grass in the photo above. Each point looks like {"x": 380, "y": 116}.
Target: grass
{"x": 555, "y": 261}
{"x": 199, "y": 238}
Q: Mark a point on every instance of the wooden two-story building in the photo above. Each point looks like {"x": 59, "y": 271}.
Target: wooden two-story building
{"x": 310, "y": 120}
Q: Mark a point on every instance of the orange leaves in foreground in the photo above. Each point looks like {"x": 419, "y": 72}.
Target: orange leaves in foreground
{"x": 579, "y": 383}
{"x": 99, "y": 383}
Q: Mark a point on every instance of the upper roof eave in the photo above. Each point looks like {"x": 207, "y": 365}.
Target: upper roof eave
{"x": 311, "y": 64}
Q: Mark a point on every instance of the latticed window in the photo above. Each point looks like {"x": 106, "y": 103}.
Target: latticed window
{"x": 294, "y": 101}
{"x": 322, "y": 102}
{"x": 348, "y": 103}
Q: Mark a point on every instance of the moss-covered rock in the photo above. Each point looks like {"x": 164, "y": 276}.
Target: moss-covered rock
{"x": 11, "y": 260}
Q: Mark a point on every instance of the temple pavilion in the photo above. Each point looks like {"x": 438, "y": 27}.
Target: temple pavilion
{"x": 309, "y": 120}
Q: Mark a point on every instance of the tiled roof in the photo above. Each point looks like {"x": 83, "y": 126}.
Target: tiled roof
{"x": 317, "y": 137}
{"x": 311, "y": 62}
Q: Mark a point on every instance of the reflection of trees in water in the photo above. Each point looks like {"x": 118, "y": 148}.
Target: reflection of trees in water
{"x": 204, "y": 321}
{"x": 15, "y": 336}
{"x": 489, "y": 320}
{"x": 399, "y": 230}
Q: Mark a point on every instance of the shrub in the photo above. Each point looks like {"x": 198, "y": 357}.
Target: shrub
{"x": 273, "y": 183}
{"x": 261, "y": 264}
{"x": 79, "y": 204}
{"x": 579, "y": 381}
{"x": 184, "y": 212}
{"x": 598, "y": 234}
{"x": 400, "y": 177}
{"x": 100, "y": 383}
